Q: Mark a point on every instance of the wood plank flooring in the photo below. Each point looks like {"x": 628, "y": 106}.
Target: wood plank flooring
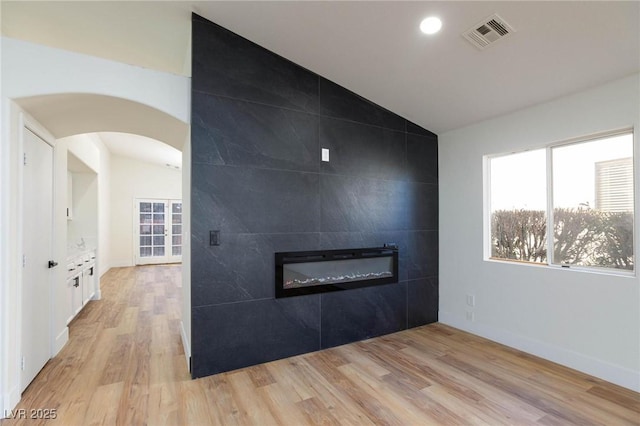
{"x": 124, "y": 365}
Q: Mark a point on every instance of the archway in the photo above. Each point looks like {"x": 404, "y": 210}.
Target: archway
{"x": 63, "y": 115}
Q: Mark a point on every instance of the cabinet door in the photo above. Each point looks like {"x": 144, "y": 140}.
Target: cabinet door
{"x": 76, "y": 293}
{"x": 88, "y": 289}
{"x": 70, "y": 308}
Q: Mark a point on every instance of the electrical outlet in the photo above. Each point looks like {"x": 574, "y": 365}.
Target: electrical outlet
{"x": 325, "y": 155}
{"x": 471, "y": 300}
{"x": 471, "y": 316}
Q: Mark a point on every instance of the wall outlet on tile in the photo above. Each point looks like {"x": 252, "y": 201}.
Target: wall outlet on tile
{"x": 471, "y": 300}
{"x": 325, "y": 155}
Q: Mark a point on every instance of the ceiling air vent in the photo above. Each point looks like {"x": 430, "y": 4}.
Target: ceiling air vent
{"x": 488, "y": 31}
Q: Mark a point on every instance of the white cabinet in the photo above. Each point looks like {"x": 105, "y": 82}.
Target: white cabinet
{"x": 74, "y": 288}
{"x": 81, "y": 282}
{"x": 88, "y": 281}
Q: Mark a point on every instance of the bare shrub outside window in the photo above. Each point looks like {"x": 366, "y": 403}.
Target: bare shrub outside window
{"x": 591, "y": 191}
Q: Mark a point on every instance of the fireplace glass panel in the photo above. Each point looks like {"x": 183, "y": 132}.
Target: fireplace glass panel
{"x": 336, "y": 271}
{"x": 309, "y": 272}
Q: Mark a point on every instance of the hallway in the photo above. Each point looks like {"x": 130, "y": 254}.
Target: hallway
{"x": 123, "y": 357}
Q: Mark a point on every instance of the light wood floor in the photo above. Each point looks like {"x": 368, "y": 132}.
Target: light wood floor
{"x": 124, "y": 364}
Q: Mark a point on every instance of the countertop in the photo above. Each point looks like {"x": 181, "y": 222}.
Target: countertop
{"x": 73, "y": 252}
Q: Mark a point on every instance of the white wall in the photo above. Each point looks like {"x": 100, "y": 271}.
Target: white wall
{"x": 587, "y": 321}
{"x": 131, "y": 179}
{"x": 92, "y": 151}
{"x": 186, "y": 248}
{"x": 104, "y": 210}
{"x": 85, "y": 209}
{"x": 35, "y": 70}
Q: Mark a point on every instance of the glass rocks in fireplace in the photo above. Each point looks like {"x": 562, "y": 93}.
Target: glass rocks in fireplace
{"x": 311, "y": 272}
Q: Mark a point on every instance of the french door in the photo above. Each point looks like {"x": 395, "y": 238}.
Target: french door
{"x": 158, "y": 231}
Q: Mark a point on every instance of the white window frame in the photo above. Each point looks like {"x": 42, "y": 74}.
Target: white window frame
{"x": 549, "y": 194}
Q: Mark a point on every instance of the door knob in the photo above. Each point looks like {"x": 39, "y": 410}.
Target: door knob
{"x": 53, "y": 264}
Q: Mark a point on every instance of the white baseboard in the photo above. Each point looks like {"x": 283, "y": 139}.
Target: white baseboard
{"x": 616, "y": 374}
{"x": 121, "y": 264}
{"x": 9, "y": 401}
{"x": 61, "y": 340}
{"x": 186, "y": 345}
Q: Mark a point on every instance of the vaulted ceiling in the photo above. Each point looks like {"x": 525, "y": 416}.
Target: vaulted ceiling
{"x": 441, "y": 82}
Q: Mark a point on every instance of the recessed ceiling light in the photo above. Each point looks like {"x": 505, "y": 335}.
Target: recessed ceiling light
{"x": 430, "y": 25}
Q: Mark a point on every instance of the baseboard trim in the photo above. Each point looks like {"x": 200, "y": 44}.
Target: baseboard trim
{"x": 61, "y": 340}
{"x": 616, "y": 374}
{"x": 9, "y": 401}
{"x": 186, "y": 345}
{"x": 121, "y": 264}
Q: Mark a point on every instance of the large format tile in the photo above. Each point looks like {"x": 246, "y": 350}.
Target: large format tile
{"x": 362, "y": 205}
{"x": 423, "y": 254}
{"x": 258, "y": 123}
{"x": 241, "y": 267}
{"x": 352, "y": 315}
{"x": 422, "y": 299}
{"x": 362, "y": 150}
{"x": 237, "y": 335}
{"x": 422, "y": 158}
{"x": 338, "y": 102}
{"x": 346, "y": 240}
{"x": 229, "y": 65}
{"x": 243, "y": 200}
{"x": 423, "y": 213}
{"x": 240, "y": 133}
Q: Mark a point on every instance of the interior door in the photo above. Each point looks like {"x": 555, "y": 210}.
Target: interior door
{"x": 158, "y": 231}
{"x": 37, "y": 274}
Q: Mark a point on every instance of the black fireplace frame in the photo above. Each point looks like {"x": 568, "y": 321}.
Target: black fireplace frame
{"x": 284, "y": 258}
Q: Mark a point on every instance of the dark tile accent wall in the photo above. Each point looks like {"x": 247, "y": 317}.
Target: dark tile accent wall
{"x": 259, "y": 122}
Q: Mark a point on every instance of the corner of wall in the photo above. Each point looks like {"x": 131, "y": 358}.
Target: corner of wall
{"x": 186, "y": 344}
{"x": 61, "y": 339}
{"x": 9, "y": 401}
{"x": 185, "y": 323}
{"x": 561, "y": 315}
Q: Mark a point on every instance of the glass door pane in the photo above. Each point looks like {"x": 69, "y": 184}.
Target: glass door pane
{"x": 176, "y": 228}
{"x": 159, "y": 229}
{"x": 152, "y": 231}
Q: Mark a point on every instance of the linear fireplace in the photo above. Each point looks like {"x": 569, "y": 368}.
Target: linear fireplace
{"x": 308, "y": 272}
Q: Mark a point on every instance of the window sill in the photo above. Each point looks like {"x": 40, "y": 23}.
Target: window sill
{"x": 573, "y": 268}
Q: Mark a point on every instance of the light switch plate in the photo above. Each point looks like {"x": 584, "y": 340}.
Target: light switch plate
{"x": 325, "y": 154}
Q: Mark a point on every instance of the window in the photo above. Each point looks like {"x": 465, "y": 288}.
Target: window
{"x": 569, "y": 204}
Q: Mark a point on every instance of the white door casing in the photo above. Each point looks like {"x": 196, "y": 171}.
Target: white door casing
{"x": 37, "y": 237}
{"x": 158, "y": 231}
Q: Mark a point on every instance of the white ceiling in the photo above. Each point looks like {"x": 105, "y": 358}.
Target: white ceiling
{"x": 142, "y": 148}
{"x": 373, "y": 48}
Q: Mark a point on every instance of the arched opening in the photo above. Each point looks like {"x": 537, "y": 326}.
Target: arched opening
{"x": 70, "y": 114}
{"x": 98, "y": 138}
